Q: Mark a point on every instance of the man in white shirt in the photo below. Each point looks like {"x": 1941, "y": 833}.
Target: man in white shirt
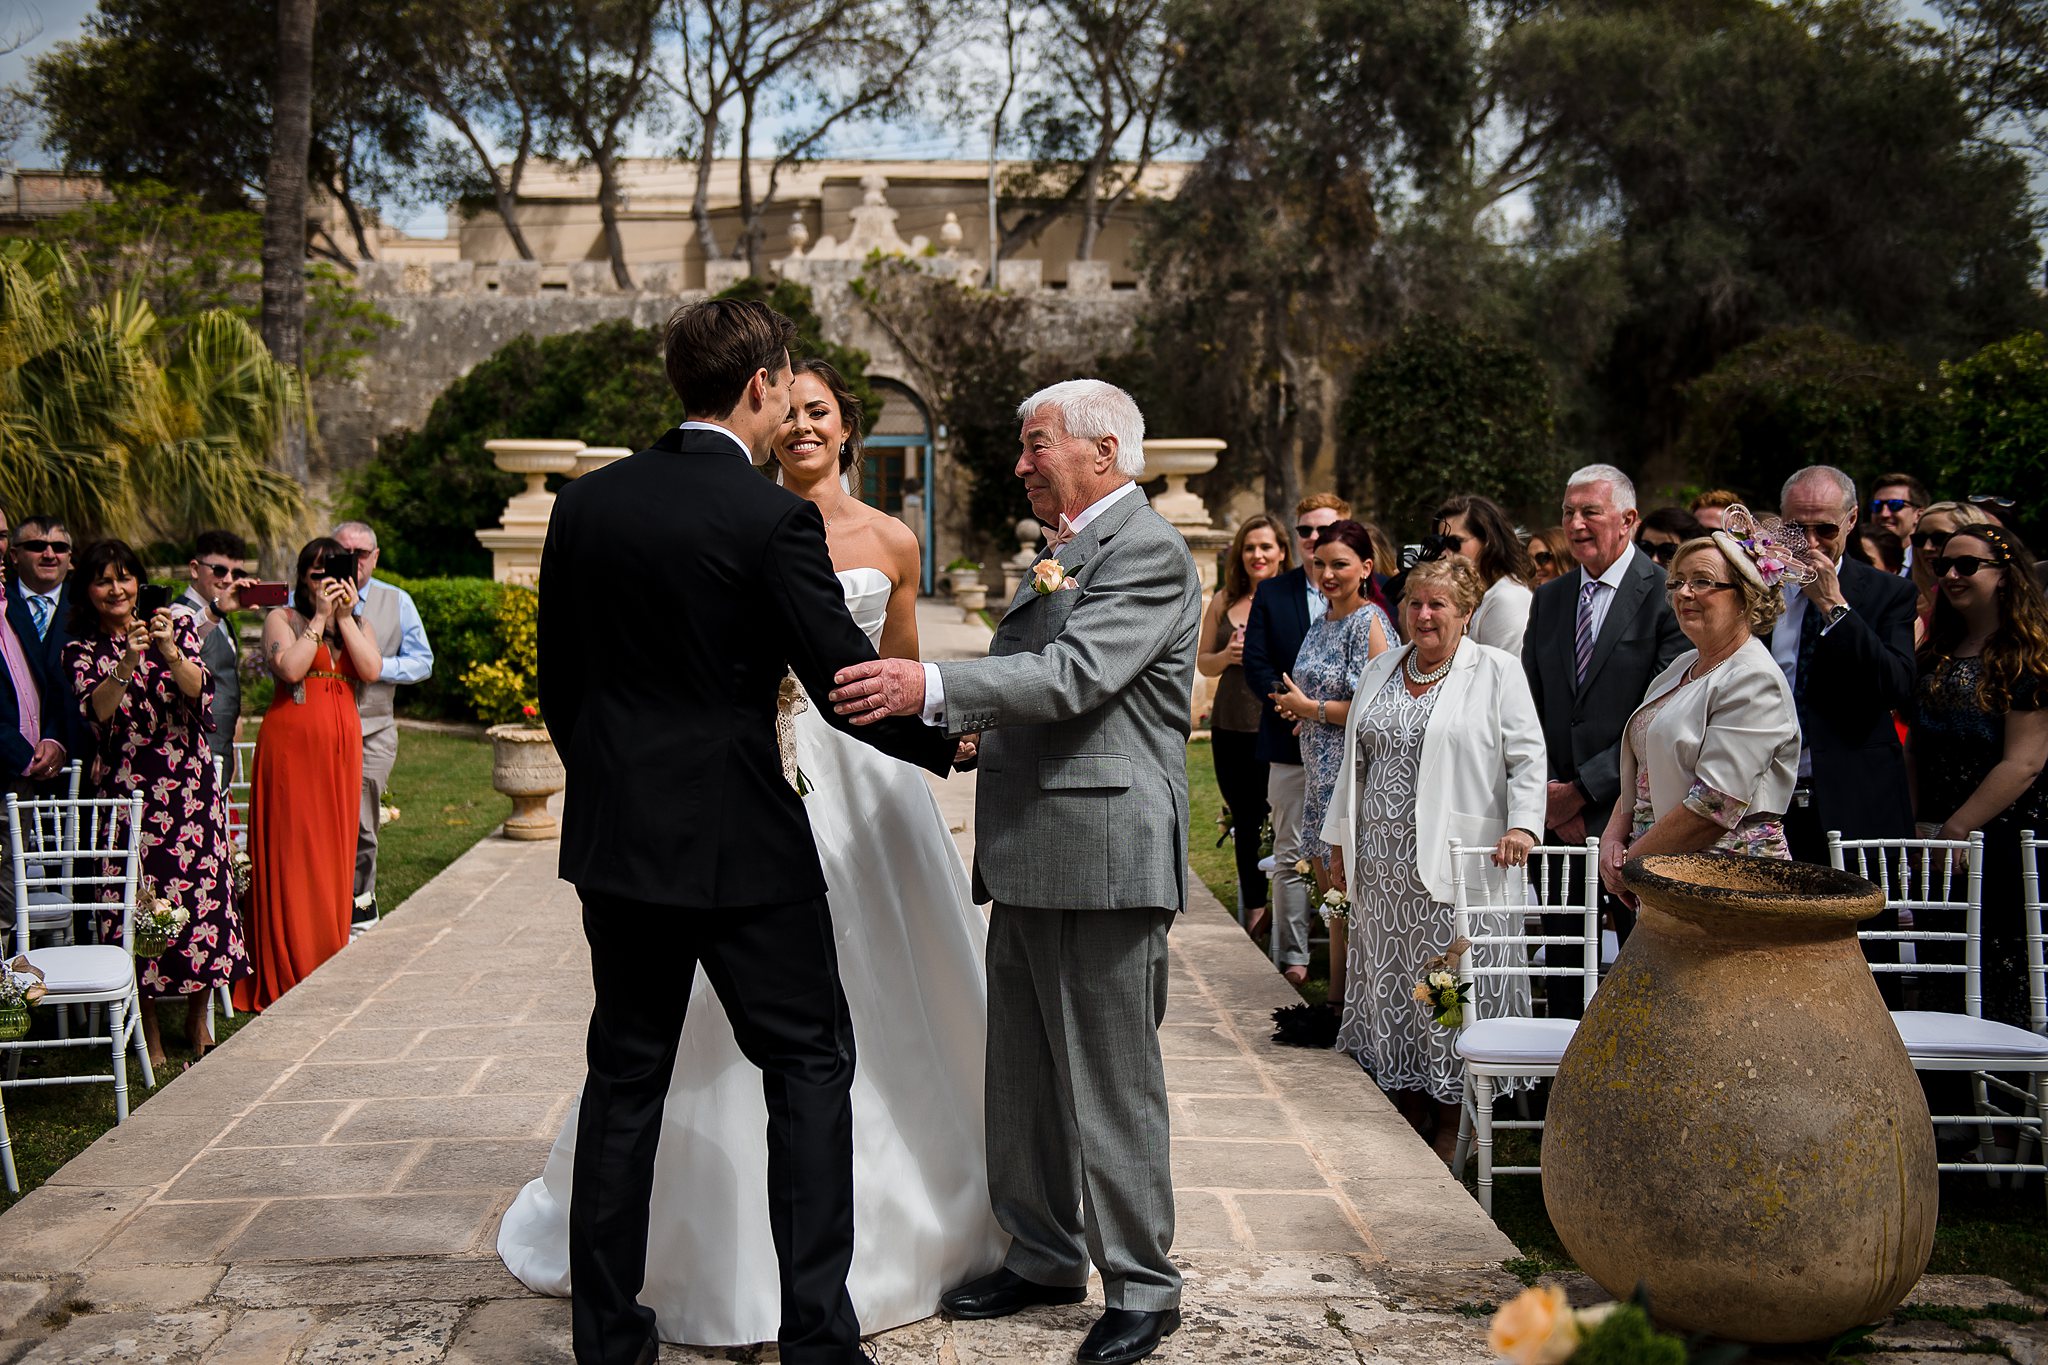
{"x": 1896, "y": 501}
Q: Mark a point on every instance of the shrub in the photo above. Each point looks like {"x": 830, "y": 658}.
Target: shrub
{"x": 502, "y": 687}
{"x": 460, "y": 616}
{"x": 1996, "y": 404}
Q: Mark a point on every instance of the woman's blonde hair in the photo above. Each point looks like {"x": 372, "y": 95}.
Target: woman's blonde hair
{"x": 1762, "y": 605}
{"x": 1453, "y": 572}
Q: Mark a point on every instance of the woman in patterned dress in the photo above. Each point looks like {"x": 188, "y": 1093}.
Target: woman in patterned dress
{"x": 149, "y": 704}
{"x": 1712, "y": 754}
{"x": 1316, "y": 693}
{"x": 1461, "y": 712}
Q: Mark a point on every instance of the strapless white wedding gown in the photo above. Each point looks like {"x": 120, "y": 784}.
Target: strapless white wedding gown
{"x": 910, "y": 955}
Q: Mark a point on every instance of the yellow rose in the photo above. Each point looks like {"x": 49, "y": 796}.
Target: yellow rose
{"x": 1047, "y": 575}
{"x": 1536, "y": 1327}
{"x": 1421, "y": 992}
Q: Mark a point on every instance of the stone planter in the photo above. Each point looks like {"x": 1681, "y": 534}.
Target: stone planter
{"x": 1735, "y": 1124}
{"x": 970, "y": 601}
{"x": 525, "y": 767}
{"x": 964, "y": 580}
{"x": 1178, "y": 459}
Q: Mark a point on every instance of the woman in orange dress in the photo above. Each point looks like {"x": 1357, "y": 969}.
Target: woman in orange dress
{"x": 309, "y": 775}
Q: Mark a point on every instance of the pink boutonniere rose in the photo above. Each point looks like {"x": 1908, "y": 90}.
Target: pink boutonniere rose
{"x": 1050, "y": 576}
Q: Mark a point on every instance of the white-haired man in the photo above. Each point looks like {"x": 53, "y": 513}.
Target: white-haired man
{"x": 401, "y": 638}
{"x": 1596, "y": 640}
{"x": 1081, "y": 829}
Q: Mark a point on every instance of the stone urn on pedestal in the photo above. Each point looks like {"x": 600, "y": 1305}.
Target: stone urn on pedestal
{"x": 1178, "y": 459}
{"x": 1736, "y": 1125}
{"x": 525, "y": 767}
{"x": 515, "y": 543}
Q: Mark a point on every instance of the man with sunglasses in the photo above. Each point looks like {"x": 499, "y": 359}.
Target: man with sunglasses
{"x": 1283, "y": 609}
{"x": 219, "y": 563}
{"x": 39, "y": 609}
{"x": 1845, "y": 643}
{"x": 1896, "y": 501}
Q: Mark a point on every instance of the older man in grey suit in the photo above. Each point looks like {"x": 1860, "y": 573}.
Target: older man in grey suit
{"x": 1081, "y": 827}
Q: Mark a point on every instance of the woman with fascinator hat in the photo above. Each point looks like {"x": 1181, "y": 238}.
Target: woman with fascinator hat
{"x": 1980, "y": 734}
{"x": 1708, "y": 761}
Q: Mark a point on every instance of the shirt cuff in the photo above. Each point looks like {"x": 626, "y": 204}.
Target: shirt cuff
{"x": 389, "y": 667}
{"x": 1836, "y": 622}
{"x": 934, "y": 712}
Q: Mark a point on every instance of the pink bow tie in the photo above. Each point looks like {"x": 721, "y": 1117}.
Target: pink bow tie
{"x": 1065, "y": 533}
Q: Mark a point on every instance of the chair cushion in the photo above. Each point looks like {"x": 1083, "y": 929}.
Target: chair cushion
{"x": 1516, "y": 1042}
{"x": 84, "y": 969}
{"x": 1935, "y": 1034}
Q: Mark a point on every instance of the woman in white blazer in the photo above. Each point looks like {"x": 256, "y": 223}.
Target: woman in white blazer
{"x": 1478, "y": 528}
{"x": 1442, "y": 742}
{"x": 1711, "y": 756}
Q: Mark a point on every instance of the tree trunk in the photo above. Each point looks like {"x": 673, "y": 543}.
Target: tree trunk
{"x": 700, "y": 203}
{"x": 608, "y": 211}
{"x": 284, "y": 207}
{"x": 747, "y": 244}
{"x": 508, "y": 211}
{"x": 1091, "y": 200}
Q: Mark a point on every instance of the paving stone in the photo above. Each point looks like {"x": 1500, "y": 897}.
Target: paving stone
{"x": 346, "y": 1229}
{"x": 1968, "y": 1291}
{"x": 1421, "y": 1223}
{"x": 491, "y": 1165}
{"x": 1381, "y": 1336}
{"x": 153, "y": 1289}
{"x": 416, "y": 988}
{"x": 1203, "y": 1164}
{"x": 263, "y": 1337}
{"x": 1443, "y": 1290}
{"x": 292, "y": 1172}
{"x": 1205, "y": 1039}
{"x": 416, "y": 1331}
{"x": 1212, "y": 1076}
{"x": 286, "y": 1125}
{"x": 353, "y": 1044}
{"x": 1226, "y": 1277}
{"x": 1920, "y": 1336}
{"x": 1239, "y": 1116}
{"x": 176, "y": 1234}
{"x": 1205, "y": 1221}
{"x": 286, "y": 1040}
{"x": 158, "y": 1338}
{"x": 52, "y": 1230}
{"x": 450, "y": 1279}
{"x": 2026, "y": 1345}
{"x": 1041, "y": 1336}
{"x": 533, "y": 1075}
{"x": 367, "y": 1080}
{"x": 456, "y": 1116}
{"x": 1298, "y": 1332}
{"x": 530, "y": 1331}
{"x": 220, "y": 1086}
{"x": 1299, "y": 1222}
{"x": 18, "y": 1299}
{"x": 511, "y": 1040}
{"x": 149, "y": 1149}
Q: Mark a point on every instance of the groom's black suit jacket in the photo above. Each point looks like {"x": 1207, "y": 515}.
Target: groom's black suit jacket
{"x": 675, "y": 588}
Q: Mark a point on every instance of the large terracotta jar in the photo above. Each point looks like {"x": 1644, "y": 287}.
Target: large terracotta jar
{"x": 1735, "y": 1124}
{"x": 525, "y": 767}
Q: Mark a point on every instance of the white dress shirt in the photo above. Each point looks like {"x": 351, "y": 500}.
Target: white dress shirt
{"x": 1318, "y": 605}
{"x": 726, "y": 432}
{"x": 934, "y": 712}
{"x": 1610, "y": 583}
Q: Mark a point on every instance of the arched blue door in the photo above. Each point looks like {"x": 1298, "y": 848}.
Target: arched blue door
{"x": 896, "y": 474}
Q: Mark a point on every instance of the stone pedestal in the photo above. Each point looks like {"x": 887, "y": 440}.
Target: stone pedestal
{"x": 1177, "y": 459}
{"x": 597, "y": 457}
{"x": 516, "y": 541}
{"x": 526, "y": 767}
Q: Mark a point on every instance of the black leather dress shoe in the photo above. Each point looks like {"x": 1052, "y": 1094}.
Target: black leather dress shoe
{"x": 1003, "y": 1292}
{"x": 649, "y": 1353}
{"x": 1122, "y": 1335}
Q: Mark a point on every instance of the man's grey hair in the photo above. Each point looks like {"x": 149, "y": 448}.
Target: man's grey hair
{"x": 1622, "y": 487}
{"x": 1091, "y": 409}
{"x": 356, "y": 528}
{"x": 1844, "y": 485}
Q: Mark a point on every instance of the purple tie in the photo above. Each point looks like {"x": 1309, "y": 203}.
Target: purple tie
{"x": 1582, "y": 638}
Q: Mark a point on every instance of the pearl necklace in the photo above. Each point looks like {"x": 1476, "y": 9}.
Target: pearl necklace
{"x": 1435, "y": 675}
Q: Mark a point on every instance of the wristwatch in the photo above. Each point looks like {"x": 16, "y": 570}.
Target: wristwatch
{"x": 1833, "y": 618}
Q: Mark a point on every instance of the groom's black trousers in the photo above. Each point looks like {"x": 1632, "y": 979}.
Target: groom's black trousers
{"x": 777, "y": 974}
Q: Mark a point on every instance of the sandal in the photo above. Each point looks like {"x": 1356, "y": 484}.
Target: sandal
{"x": 1261, "y": 921}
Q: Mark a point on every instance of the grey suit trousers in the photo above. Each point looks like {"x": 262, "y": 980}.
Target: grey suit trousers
{"x": 380, "y": 755}
{"x": 1079, "y": 1152}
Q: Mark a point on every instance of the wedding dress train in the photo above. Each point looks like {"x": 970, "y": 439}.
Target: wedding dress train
{"x": 910, "y": 956}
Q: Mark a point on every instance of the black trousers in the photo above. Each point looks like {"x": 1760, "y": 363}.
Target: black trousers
{"x": 777, "y": 975}
{"x": 1241, "y": 778}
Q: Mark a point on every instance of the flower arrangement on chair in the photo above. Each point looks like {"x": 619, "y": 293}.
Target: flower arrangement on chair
{"x": 21, "y": 986}
{"x": 1441, "y": 990}
{"x": 158, "y": 920}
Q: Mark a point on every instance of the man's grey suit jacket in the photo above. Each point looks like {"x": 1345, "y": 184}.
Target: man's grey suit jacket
{"x": 1081, "y": 802}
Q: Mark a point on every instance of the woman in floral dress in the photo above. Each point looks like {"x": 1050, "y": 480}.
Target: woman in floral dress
{"x": 149, "y": 704}
{"x": 1316, "y": 693}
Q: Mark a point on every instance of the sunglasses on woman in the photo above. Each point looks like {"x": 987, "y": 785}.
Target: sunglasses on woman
{"x": 1661, "y": 551}
{"x": 1543, "y": 558}
{"x": 1964, "y": 566}
{"x": 1931, "y": 540}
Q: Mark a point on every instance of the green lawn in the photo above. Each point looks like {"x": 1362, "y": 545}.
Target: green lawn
{"x": 442, "y": 787}
{"x": 1983, "y": 1231}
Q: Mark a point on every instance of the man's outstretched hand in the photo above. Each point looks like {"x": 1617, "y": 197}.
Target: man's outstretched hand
{"x": 865, "y": 693}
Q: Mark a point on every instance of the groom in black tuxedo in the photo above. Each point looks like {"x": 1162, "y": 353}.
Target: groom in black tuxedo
{"x": 676, "y": 588}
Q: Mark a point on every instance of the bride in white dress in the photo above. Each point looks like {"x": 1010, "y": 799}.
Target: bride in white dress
{"x": 910, "y": 956}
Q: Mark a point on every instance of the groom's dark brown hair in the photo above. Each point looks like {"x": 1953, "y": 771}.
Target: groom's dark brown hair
{"x": 713, "y": 347}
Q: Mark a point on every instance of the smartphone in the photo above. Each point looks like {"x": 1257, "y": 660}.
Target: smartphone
{"x": 153, "y": 598}
{"x": 263, "y": 595}
{"x": 339, "y": 564}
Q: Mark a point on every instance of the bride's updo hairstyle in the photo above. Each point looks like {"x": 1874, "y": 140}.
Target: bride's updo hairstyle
{"x": 852, "y": 412}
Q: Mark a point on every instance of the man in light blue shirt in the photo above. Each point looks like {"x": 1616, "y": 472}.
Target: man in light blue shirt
{"x": 394, "y": 623}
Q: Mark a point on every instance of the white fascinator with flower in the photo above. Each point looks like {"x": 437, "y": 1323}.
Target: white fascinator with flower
{"x": 1764, "y": 549}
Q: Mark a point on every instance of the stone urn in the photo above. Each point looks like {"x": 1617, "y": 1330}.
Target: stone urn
{"x": 525, "y": 767}
{"x": 1178, "y": 459}
{"x": 1735, "y": 1124}
{"x": 597, "y": 457}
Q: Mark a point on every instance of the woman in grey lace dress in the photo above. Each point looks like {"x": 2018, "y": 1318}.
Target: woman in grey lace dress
{"x": 1462, "y": 713}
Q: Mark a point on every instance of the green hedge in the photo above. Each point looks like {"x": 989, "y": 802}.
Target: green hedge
{"x": 461, "y": 620}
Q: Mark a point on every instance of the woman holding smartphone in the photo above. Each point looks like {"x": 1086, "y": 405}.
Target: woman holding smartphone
{"x": 148, "y": 705}
{"x": 309, "y": 773}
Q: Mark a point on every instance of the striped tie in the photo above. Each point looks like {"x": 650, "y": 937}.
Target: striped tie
{"x": 39, "y": 610}
{"x": 1582, "y": 638}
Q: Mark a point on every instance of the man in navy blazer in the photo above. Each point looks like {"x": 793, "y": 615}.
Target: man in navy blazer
{"x": 39, "y": 560}
{"x": 1283, "y": 608}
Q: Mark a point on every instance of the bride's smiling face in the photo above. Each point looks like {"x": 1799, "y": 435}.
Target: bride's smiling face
{"x": 808, "y": 444}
